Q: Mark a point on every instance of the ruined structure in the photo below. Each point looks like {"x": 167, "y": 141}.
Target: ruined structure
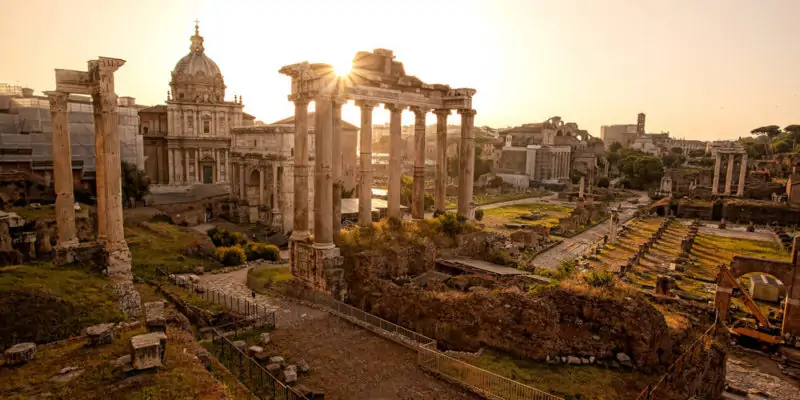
{"x": 731, "y": 153}
{"x": 98, "y": 81}
{"x": 375, "y": 78}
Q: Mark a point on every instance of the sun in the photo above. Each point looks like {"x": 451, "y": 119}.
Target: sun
{"x": 342, "y": 68}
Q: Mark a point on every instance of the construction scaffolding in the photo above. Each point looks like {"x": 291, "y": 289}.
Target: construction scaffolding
{"x": 26, "y": 131}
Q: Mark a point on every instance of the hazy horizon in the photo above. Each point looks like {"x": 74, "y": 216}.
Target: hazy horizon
{"x": 702, "y": 70}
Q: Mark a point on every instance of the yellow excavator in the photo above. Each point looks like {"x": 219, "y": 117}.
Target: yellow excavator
{"x": 759, "y": 333}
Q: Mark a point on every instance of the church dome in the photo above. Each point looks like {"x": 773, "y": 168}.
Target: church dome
{"x": 196, "y": 77}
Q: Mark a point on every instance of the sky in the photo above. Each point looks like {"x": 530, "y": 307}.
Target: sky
{"x": 701, "y": 69}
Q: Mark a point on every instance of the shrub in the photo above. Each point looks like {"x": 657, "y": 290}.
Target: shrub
{"x": 595, "y": 278}
{"x": 452, "y": 225}
{"x": 478, "y": 214}
{"x": 565, "y": 269}
{"x": 224, "y": 238}
{"x": 231, "y": 256}
{"x": 261, "y": 251}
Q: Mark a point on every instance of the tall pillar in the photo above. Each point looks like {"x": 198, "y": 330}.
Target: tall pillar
{"x": 185, "y": 166}
{"x": 323, "y": 184}
{"x": 242, "y": 181}
{"x": 226, "y": 177}
{"x": 467, "y": 172}
{"x": 62, "y": 170}
{"x": 300, "y": 230}
{"x": 440, "y": 184}
{"x": 119, "y": 256}
{"x": 742, "y": 176}
{"x": 729, "y": 174}
{"x": 717, "y": 167}
{"x": 217, "y": 172}
{"x": 171, "y": 166}
{"x": 418, "y": 188}
{"x": 100, "y": 170}
{"x": 395, "y": 150}
{"x": 197, "y": 178}
{"x": 365, "y": 189}
{"x": 336, "y": 168}
{"x": 261, "y": 187}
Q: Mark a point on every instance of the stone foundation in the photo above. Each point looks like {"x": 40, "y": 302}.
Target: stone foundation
{"x": 319, "y": 269}
{"x": 84, "y": 253}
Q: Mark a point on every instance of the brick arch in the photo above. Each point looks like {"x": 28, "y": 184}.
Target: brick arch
{"x": 746, "y": 265}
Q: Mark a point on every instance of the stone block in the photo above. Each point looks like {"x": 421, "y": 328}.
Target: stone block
{"x": 100, "y": 334}
{"x": 289, "y": 376}
{"x": 147, "y": 350}
{"x": 274, "y": 370}
{"x": 261, "y": 357}
{"x": 240, "y": 345}
{"x": 19, "y": 353}
{"x": 253, "y": 350}
{"x": 199, "y": 270}
{"x": 571, "y": 360}
{"x": 204, "y": 357}
{"x": 302, "y": 366}
{"x": 264, "y": 339}
{"x": 624, "y": 360}
{"x": 278, "y": 360}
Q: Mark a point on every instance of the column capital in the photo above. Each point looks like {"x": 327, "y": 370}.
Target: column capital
{"x": 394, "y": 107}
{"x": 366, "y": 104}
{"x": 468, "y": 112}
{"x": 338, "y": 101}
{"x": 419, "y": 111}
{"x": 58, "y": 100}
{"x": 442, "y": 112}
{"x": 299, "y": 99}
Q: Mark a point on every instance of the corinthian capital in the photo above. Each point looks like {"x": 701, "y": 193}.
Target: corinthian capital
{"x": 419, "y": 112}
{"x": 442, "y": 112}
{"x": 468, "y": 112}
{"x": 58, "y": 101}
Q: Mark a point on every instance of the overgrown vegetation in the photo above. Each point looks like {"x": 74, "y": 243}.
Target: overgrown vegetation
{"x": 42, "y": 303}
{"x": 262, "y": 251}
{"x": 225, "y": 238}
{"x": 169, "y": 247}
{"x": 231, "y": 256}
{"x": 135, "y": 183}
{"x": 264, "y": 277}
{"x": 599, "y": 278}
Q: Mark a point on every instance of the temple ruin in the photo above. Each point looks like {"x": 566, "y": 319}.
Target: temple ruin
{"x": 97, "y": 81}
{"x": 375, "y": 79}
{"x": 731, "y": 153}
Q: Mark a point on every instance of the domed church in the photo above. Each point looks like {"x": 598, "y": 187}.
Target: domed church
{"x": 188, "y": 140}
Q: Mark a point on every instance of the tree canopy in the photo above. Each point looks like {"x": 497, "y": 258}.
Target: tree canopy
{"x": 135, "y": 183}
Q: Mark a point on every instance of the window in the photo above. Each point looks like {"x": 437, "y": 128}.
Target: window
{"x": 255, "y": 143}
{"x": 191, "y": 122}
{"x": 206, "y": 126}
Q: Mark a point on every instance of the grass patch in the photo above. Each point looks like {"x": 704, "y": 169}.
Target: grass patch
{"x": 170, "y": 247}
{"x": 512, "y": 214}
{"x": 43, "y": 303}
{"x": 184, "y": 377}
{"x": 263, "y": 277}
{"x": 570, "y": 382}
{"x": 193, "y": 299}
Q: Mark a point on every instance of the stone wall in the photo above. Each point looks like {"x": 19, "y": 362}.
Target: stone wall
{"x": 695, "y": 210}
{"x": 700, "y": 373}
{"x": 760, "y": 213}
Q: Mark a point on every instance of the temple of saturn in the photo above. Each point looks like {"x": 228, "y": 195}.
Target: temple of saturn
{"x": 375, "y": 79}
{"x": 98, "y": 82}
{"x": 731, "y": 153}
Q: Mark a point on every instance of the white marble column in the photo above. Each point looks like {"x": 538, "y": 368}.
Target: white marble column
{"x": 323, "y": 183}
{"x": 717, "y": 168}
{"x": 467, "y": 172}
{"x": 418, "y": 188}
{"x": 742, "y": 176}
{"x": 395, "y": 168}
{"x": 729, "y": 174}
{"x": 300, "y": 231}
{"x": 440, "y": 189}
{"x": 62, "y": 170}
{"x": 365, "y": 189}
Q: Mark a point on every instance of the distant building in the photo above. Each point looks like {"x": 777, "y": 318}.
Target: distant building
{"x": 622, "y": 134}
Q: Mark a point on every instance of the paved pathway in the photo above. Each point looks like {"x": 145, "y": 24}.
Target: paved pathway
{"x": 577, "y": 245}
{"x": 528, "y": 200}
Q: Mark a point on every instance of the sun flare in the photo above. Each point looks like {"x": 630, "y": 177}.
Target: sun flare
{"x": 342, "y": 68}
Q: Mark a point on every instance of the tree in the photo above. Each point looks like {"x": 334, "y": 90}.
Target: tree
{"x": 641, "y": 169}
{"x": 672, "y": 160}
{"x": 676, "y": 150}
{"x": 770, "y": 131}
{"x": 135, "y": 183}
{"x": 614, "y": 147}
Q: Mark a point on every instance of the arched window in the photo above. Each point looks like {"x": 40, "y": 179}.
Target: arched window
{"x": 206, "y": 126}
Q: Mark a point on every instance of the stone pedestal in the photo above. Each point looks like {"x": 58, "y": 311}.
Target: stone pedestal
{"x": 319, "y": 268}
{"x": 147, "y": 351}
{"x": 100, "y": 334}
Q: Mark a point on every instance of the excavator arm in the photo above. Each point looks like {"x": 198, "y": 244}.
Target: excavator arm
{"x": 748, "y": 301}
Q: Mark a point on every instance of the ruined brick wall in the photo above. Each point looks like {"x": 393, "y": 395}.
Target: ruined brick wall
{"x": 702, "y": 210}
{"x": 760, "y": 213}
{"x": 699, "y": 373}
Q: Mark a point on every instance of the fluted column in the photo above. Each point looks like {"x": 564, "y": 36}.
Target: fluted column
{"x": 300, "y": 230}
{"x": 62, "y": 170}
{"x": 418, "y": 186}
{"x": 467, "y": 172}
{"x": 336, "y": 167}
{"x": 729, "y": 174}
{"x": 365, "y": 189}
{"x": 323, "y": 184}
{"x": 717, "y": 168}
{"x": 742, "y": 176}
{"x": 395, "y": 149}
{"x": 440, "y": 185}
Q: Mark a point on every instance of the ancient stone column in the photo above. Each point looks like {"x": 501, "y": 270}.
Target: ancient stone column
{"x": 323, "y": 184}
{"x": 217, "y": 155}
{"x": 336, "y": 167}
{"x": 171, "y": 166}
{"x": 467, "y": 162}
{"x": 100, "y": 171}
{"x": 226, "y": 176}
{"x": 729, "y": 177}
{"x": 580, "y": 187}
{"x": 742, "y": 176}
{"x": 365, "y": 190}
{"x": 418, "y": 188}
{"x": 261, "y": 187}
{"x": 440, "y": 188}
{"x": 300, "y": 229}
{"x": 242, "y": 181}
{"x": 717, "y": 168}
{"x": 197, "y": 177}
{"x": 395, "y": 150}
{"x": 119, "y": 256}
{"x": 62, "y": 170}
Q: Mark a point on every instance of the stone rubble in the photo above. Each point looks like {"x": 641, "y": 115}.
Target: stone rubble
{"x": 19, "y": 353}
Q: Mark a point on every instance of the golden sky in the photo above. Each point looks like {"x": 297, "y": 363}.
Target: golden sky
{"x": 702, "y": 69}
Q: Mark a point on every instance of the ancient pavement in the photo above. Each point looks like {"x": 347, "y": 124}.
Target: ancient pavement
{"x": 347, "y": 362}
{"x": 577, "y": 245}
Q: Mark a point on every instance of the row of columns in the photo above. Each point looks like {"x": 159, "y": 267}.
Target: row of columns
{"x": 328, "y": 171}
{"x": 561, "y": 165}
{"x": 179, "y": 166}
{"x": 729, "y": 174}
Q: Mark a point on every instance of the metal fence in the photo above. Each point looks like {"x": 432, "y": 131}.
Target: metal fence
{"x": 254, "y": 376}
{"x": 255, "y": 314}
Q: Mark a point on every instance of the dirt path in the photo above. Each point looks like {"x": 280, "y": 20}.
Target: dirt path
{"x": 346, "y": 362}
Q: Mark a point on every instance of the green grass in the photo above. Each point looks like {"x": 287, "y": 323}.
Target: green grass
{"x": 44, "y": 303}
{"x": 263, "y": 277}
{"x": 511, "y": 214}
{"x": 170, "y": 247}
{"x": 184, "y": 377}
{"x": 45, "y": 212}
{"x": 570, "y": 382}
